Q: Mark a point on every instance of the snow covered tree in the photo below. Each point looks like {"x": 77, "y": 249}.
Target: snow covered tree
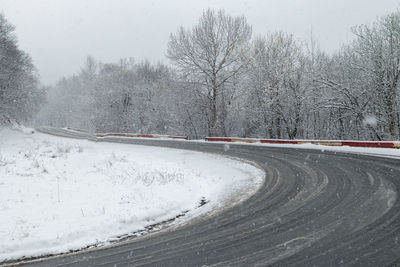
{"x": 20, "y": 95}
{"x": 277, "y": 84}
{"x": 209, "y": 57}
{"x": 115, "y": 97}
{"x": 359, "y": 85}
{"x": 379, "y": 48}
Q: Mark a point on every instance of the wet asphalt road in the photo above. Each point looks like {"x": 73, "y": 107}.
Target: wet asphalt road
{"x": 315, "y": 209}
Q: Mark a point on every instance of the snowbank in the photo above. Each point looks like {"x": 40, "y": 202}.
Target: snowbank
{"x": 370, "y": 151}
{"x": 59, "y": 194}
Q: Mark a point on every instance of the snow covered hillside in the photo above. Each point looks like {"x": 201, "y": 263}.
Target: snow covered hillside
{"x": 59, "y": 194}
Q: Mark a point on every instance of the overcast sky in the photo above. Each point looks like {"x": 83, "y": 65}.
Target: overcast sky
{"x": 59, "y": 34}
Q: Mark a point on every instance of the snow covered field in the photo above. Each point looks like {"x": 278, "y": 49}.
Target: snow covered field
{"x": 59, "y": 194}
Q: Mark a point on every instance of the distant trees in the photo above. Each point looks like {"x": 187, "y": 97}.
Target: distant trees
{"x": 119, "y": 97}
{"x": 134, "y": 97}
{"x": 224, "y": 83}
{"x": 19, "y": 93}
{"x": 209, "y": 57}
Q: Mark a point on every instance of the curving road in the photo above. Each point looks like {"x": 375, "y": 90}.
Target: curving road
{"x": 315, "y": 209}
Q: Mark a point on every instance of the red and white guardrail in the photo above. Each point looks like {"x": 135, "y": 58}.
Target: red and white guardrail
{"x": 376, "y": 144}
{"x": 142, "y": 135}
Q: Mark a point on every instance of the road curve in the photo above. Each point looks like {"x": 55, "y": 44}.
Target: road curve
{"x": 315, "y": 209}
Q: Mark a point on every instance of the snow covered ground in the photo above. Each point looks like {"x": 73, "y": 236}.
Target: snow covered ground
{"x": 59, "y": 194}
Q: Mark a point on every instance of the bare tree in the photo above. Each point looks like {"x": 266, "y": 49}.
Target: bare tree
{"x": 209, "y": 56}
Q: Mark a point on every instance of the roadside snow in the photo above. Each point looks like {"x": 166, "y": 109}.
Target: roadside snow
{"x": 371, "y": 151}
{"x": 59, "y": 194}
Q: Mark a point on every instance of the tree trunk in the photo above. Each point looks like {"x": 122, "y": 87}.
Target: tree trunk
{"x": 391, "y": 117}
{"x": 214, "y": 117}
{"x": 278, "y": 128}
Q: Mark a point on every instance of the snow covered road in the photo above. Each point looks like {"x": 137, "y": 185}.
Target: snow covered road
{"x": 60, "y": 194}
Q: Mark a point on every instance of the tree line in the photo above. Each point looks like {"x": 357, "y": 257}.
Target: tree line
{"x": 223, "y": 81}
{"x": 20, "y": 93}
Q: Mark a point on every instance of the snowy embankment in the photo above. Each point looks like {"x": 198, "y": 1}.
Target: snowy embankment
{"x": 59, "y": 194}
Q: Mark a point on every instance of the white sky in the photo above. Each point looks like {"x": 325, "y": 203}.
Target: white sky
{"x": 59, "y": 34}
